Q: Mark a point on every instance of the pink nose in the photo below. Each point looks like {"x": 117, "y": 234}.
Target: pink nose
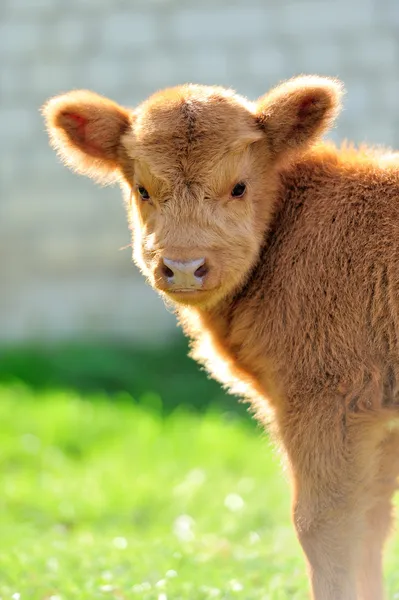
{"x": 184, "y": 275}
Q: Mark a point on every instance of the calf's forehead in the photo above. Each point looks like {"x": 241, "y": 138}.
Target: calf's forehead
{"x": 187, "y": 135}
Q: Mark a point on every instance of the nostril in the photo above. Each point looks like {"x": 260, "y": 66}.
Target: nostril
{"x": 201, "y": 271}
{"x": 166, "y": 271}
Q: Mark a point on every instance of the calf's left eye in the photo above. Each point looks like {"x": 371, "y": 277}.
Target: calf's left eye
{"x": 239, "y": 190}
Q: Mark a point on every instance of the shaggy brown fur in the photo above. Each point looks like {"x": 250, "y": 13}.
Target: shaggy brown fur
{"x": 299, "y": 310}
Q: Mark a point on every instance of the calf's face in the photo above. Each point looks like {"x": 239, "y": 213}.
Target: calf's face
{"x": 198, "y": 182}
{"x": 199, "y": 169}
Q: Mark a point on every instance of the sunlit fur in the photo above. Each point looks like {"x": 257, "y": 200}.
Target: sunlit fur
{"x": 299, "y": 313}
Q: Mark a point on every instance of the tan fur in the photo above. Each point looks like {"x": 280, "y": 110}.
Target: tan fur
{"x": 300, "y": 312}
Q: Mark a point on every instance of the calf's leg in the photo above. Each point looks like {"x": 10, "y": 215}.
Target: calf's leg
{"x": 378, "y": 520}
{"x": 333, "y": 459}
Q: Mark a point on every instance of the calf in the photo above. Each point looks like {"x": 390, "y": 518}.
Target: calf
{"x": 280, "y": 255}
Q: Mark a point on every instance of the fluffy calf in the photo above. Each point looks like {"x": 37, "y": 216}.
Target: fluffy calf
{"x": 280, "y": 255}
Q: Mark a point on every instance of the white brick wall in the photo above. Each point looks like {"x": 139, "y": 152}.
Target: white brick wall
{"x": 61, "y": 271}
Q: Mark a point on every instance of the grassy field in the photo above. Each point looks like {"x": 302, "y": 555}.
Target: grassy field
{"x": 105, "y": 499}
{"x": 173, "y": 379}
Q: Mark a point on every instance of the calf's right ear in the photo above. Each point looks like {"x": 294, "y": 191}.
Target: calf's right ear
{"x": 85, "y": 129}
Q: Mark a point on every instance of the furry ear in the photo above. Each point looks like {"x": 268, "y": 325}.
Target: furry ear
{"x": 297, "y": 112}
{"x": 85, "y": 129}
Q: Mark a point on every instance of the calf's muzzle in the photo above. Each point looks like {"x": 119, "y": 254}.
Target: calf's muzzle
{"x": 184, "y": 275}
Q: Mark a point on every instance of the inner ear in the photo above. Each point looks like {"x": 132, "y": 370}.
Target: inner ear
{"x": 98, "y": 133}
{"x": 76, "y": 127}
{"x": 308, "y": 107}
{"x": 86, "y": 130}
{"x": 298, "y": 112}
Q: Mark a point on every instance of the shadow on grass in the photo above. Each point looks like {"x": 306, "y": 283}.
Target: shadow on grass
{"x": 162, "y": 378}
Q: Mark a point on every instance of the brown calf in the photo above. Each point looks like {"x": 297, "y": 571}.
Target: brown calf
{"x": 280, "y": 254}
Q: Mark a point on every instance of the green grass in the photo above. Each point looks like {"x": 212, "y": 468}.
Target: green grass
{"x": 173, "y": 378}
{"x": 113, "y": 500}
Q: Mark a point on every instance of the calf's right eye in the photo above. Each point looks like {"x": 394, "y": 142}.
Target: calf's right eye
{"x": 143, "y": 193}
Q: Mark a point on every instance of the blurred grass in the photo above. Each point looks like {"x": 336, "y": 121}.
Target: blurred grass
{"x": 138, "y": 497}
{"x": 162, "y": 377}
{"x": 111, "y": 500}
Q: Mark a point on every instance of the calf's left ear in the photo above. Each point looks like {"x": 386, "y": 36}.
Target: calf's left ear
{"x": 85, "y": 129}
{"x": 297, "y": 112}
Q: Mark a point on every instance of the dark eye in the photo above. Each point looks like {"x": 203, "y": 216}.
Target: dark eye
{"x": 239, "y": 190}
{"x": 143, "y": 192}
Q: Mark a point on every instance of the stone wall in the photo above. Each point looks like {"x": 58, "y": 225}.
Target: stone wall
{"x": 61, "y": 271}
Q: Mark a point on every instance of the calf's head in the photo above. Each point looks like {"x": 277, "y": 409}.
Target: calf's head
{"x": 199, "y": 169}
